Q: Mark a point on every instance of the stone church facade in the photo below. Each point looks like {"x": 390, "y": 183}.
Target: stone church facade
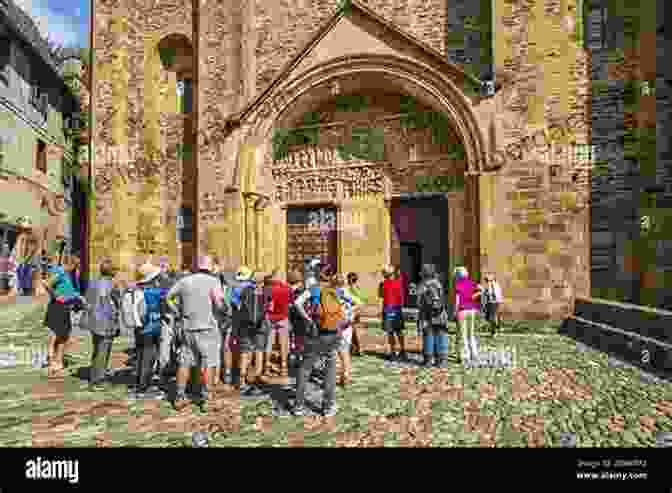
{"x": 265, "y": 133}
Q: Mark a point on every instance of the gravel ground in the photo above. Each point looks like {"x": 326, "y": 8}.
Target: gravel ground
{"x": 554, "y": 394}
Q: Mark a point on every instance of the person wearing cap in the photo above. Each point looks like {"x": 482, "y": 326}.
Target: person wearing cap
{"x": 391, "y": 291}
{"x": 251, "y": 340}
{"x": 200, "y": 295}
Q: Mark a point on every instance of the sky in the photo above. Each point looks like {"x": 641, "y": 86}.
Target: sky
{"x": 63, "y": 21}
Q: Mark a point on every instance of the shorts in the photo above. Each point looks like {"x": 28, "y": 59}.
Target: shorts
{"x": 200, "y": 349}
{"x": 58, "y": 319}
{"x": 252, "y": 339}
{"x": 276, "y": 329}
{"x": 393, "y": 326}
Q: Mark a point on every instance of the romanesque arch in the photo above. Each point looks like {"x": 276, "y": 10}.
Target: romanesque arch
{"x": 363, "y": 194}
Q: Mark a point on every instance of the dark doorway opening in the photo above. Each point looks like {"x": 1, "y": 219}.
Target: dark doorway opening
{"x": 311, "y": 232}
{"x": 420, "y": 236}
{"x": 410, "y": 262}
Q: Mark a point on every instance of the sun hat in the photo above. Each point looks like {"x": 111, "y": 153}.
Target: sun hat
{"x": 148, "y": 272}
{"x": 243, "y": 274}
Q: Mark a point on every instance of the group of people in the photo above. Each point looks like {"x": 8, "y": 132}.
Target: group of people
{"x": 434, "y": 313}
{"x": 225, "y": 324}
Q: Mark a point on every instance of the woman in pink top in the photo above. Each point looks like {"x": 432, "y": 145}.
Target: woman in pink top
{"x": 466, "y": 306}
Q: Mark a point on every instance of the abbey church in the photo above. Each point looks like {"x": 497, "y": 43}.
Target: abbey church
{"x": 366, "y": 132}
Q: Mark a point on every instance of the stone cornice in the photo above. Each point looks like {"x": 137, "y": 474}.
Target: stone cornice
{"x": 6, "y": 103}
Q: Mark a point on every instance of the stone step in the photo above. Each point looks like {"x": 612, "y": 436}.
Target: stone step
{"x": 643, "y": 321}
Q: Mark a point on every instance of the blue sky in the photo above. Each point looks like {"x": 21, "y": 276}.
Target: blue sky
{"x": 64, "y": 21}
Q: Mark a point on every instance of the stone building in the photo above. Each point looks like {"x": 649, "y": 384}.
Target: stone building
{"x": 35, "y": 145}
{"x": 631, "y": 256}
{"x": 268, "y": 131}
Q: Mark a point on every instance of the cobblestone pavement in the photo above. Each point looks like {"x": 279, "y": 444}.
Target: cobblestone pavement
{"x": 554, "y": 394}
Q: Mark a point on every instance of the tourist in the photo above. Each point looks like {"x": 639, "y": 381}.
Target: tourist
{"x": 355, "y": 294}
{"x": 391, "y": 291}
{"x": 491, "y": 298}
{"x": 62, "y": 296}
{"x": 148, "y": 306}
{"x": 24, "y": 274}
{"x": 296, "y": 321}
{"x": 170, "y": 326}
{"x": 324, "y": 340}
{"x": 102, "y": 321}
{"x": 230, "y": 344}
{"x": 433, "y": 318}
{"x": 248, "y": 309}
{"x": 277, "y": 315}
{"x": 466, "y": 307}
{"x": 200, "y": 295}
{"x": 349, "y": 307}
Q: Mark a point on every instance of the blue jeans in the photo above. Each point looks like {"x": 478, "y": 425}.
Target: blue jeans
{"x": 435, "y": 341}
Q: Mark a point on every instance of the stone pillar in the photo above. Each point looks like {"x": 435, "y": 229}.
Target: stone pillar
{"x": 226, "y": 237}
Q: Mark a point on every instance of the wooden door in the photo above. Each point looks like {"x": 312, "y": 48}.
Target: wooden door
{"x": 311, "y": 232}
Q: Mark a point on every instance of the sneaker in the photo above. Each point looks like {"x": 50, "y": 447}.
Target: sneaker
{"x": 300, "y": 411}
{"x": 329, "y": 410}
{"x": 180, "y": 402}
{"x": 442, "y": 363}
{"x": 254, "y": 391}
{"x": 203, "y": 405}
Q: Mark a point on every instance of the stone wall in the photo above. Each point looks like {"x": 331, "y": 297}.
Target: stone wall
{"x": 620, "y": 268}
{"x": 285, "y": 27}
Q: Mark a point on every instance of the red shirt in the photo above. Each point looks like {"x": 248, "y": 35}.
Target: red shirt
{"x": 278, "y": 309}
{"x": 392, "y": 292}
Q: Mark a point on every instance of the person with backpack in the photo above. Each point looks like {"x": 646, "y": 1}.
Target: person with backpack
{"x": 230, "y": 344}
{"x": 149, "y": 299}
{"x": 278, "y": 294}
{"x": 433, "y": 318}
{"x": 102, "y": 321}
{"x": 170, "y": 321}
{"x": 248, "y": 304}
{"x": 466, "y": 307}
{"x": 296, "y": 322}
{"x": 325, "y": 316}
{"x": 391, "y": 291}
{"x": 200, "y": 296}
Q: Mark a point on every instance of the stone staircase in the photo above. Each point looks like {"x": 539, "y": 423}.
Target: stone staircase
{"x": 640, "y": 335}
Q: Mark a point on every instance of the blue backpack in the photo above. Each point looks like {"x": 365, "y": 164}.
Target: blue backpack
{"x": 151, "y": 323}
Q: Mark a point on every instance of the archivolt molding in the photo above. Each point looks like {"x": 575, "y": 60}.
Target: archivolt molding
{"x": 437, "y": 87}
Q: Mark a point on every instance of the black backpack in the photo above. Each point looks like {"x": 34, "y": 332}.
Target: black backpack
{"x": 433, "y": 304}
{"x": 250, "y": 313}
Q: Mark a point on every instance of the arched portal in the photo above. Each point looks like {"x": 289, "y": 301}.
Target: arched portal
{"x": 363, "y": 189}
